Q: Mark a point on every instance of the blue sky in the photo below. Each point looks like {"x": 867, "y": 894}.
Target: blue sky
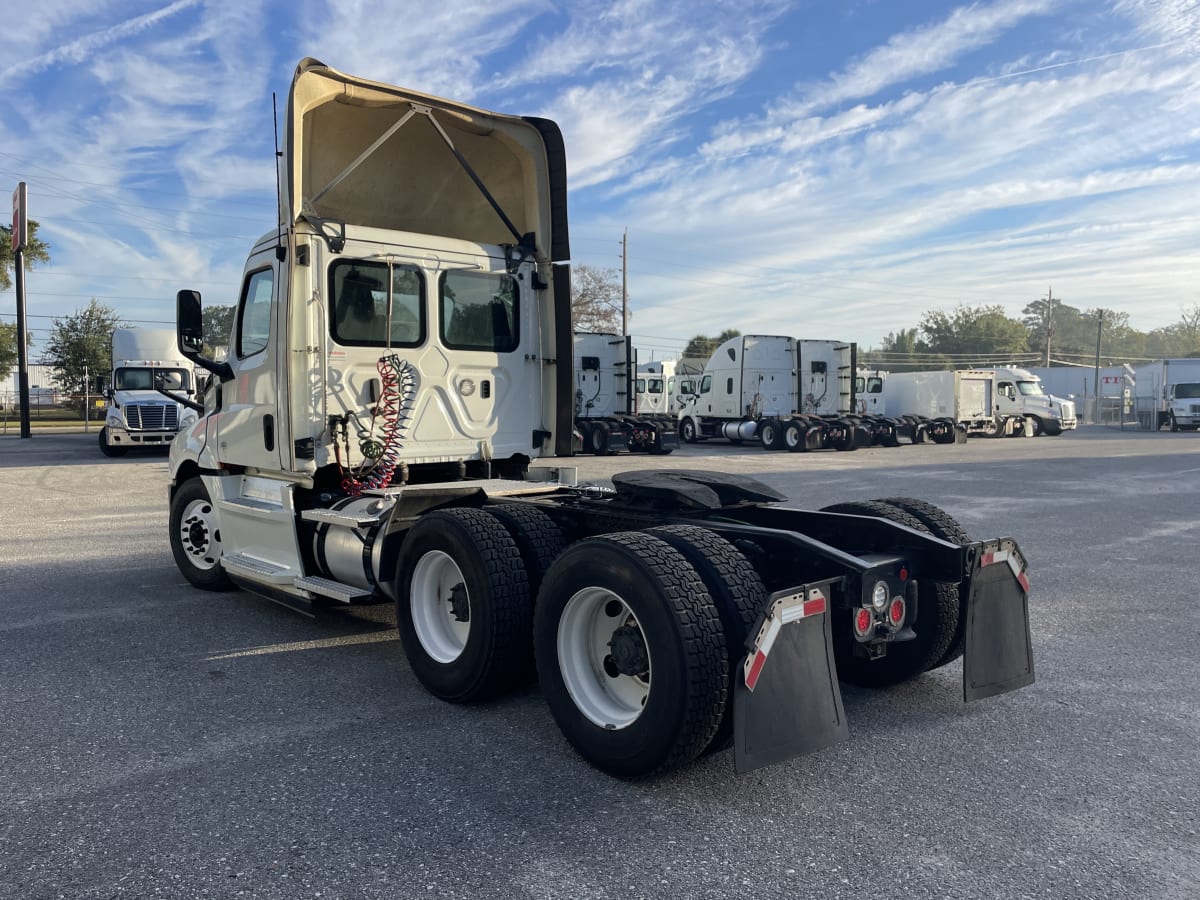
{"x": 817, "y": 169}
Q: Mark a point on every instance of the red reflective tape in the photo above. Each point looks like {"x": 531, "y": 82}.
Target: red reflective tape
{"x": 814, "y": 607}
{"x": 1024, "y": 579}
{"x": 987, "y": 559}
{"x": 756, "y": 668}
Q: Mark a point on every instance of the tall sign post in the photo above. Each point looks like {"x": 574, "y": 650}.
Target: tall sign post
{"x": 20, "y": 237}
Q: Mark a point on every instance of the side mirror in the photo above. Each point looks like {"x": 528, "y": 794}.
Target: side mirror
{"x": 101, "y": 384}
{"x": 189, "y": 322}
{"x": 189, "y": 334}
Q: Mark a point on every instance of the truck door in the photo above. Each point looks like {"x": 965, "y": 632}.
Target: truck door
{"x": 247, "y": 428}
{"x": 1006, "y": 398}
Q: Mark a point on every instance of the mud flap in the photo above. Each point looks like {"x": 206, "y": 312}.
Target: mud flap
{"x": 999, "y": 653}
{"x": 786, "y": 698}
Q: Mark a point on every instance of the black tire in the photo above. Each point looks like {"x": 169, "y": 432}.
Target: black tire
{"x": 770, "y": 434}
{"x": 941, "y": 525}
{"x": 1050, "y": 429}
{"x": 491, "y": 654}
{"x": 108, "y": 449}
{"x": 688, "y": 432}
{"x": 737, "y": 591}
{"x": 195, "y": 537}
{"x": 793, "y": 437}
{"x": 849, "y": 441}
{"x": 631, "y": 724}
{"x": 1171, "y": 423}
{"x": 538, "y": 539}
{"x": 597, "y": 440}
{"x": 935, "y": 629}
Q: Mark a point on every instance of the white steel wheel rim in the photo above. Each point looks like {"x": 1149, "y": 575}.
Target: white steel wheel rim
{"x": 434, "y": 577}
{"x": 587, "y": 624}
{"x": 198, "y": 535}
{"x": 791, "y": 436}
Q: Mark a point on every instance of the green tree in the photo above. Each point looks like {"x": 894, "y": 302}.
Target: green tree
{"x": 596, "y": 301}
{"x": 81, "y": 343}
{"x": 981, "y": 330}
{"x": 8, "y": 347}
{"x": 36, "y": 251}
{"x": 218, "y": 327}
{"x": 702, "y": 346}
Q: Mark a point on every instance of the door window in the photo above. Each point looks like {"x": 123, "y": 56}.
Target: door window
{"x": 254, "y": 313}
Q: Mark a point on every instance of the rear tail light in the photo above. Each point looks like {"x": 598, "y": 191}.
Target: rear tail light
{"x": 896, "y": 612}
{"x": 863, "y": 621}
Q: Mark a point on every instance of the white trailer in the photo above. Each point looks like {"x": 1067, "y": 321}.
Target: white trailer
{"x": 147, "y": 391}
{"x": 402, "y": 351}
{"x": 1167, "y": 394}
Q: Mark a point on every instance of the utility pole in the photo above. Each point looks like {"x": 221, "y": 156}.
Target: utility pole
{"x": 625, "y": 283}
{"x": 20, "y": 237}
{"x": 1096, "y": 379}
{"x": 1049, "y": 322}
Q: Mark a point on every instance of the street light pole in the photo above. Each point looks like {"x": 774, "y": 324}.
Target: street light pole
{"x": 1096, "y": 381}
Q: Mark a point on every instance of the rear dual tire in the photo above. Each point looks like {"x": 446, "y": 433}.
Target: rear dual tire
{"x": 631, "y": 653}
{"x": 939, "y": 627}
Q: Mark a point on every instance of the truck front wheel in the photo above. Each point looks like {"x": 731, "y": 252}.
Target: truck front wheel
{"x": 631, "y": 654}
{"x": 463, "y": 606}
{"x": 196, "y": 537}
{"x": 687, "y": 431}
{"x": 108, "y": 449}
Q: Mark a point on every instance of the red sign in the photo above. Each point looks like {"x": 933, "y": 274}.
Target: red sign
{"x": 20, "y": 217}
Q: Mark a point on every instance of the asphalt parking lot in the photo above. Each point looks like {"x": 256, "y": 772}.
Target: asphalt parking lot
{"x": 162, "y": 742}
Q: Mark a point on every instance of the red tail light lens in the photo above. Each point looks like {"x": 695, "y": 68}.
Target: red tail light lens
{"x": 896, "y": 612}
{"x": 862, "y": 622}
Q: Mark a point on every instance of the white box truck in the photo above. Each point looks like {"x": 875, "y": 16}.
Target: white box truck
{"x": 147, "y": 391}
{"x": 985, "y": 401}
{"x": 1020, "y": 392}
{"x": 1167, "y": 394}
{"x": 402, "y": 351}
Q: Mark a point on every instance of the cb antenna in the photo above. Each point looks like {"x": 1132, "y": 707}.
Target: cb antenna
{"x": 280, "y": 251}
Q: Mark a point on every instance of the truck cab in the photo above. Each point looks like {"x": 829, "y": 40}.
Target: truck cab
{"x": 1019, "y": 392}
{"x": 1183, "y": 401}
{"x": 144, "y": 390}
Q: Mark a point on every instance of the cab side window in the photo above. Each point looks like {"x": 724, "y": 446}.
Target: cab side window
{"x": 480, "y": 311}
{"x": 254, "y": 313}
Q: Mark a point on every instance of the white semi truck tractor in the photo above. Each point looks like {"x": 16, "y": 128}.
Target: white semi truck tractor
{"x": 146, "y": 391}
{"x": 402, "y": 352}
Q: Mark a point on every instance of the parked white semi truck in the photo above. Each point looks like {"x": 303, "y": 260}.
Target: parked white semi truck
{"x": 149, "y": 376}
{"x": 606, "y": 416}
{"x": 992, "y": 402}
{"x": 1167, "y": 394}
{"x": 402, "y": 351}
{"x": 789, "y": 394}
{"x": 1019, "y": 392}
{"x": 663, "y": 387}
